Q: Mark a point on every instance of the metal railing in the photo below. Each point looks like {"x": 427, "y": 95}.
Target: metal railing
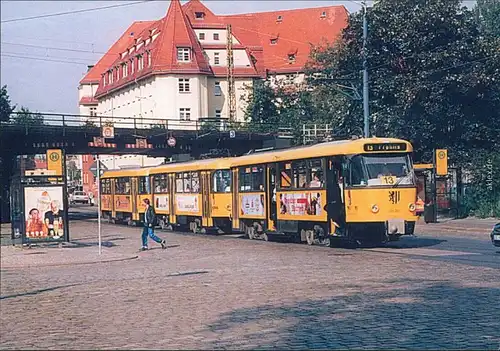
{"x": 70, "y": 121}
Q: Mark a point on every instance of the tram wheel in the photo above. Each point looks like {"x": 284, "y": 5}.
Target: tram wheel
{"x": 310, "y": 237}
{"x": 265, "y": 237}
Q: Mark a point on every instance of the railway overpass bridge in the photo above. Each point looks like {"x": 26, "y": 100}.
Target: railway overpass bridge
{"x": 30, "y": 134}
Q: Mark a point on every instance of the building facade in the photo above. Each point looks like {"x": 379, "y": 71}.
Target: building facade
{"x": 173, "y": 71}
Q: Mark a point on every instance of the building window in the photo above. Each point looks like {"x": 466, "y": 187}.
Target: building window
{"x": 149, "y": 57}
{"x": 291, "y": 58}
{"x": 183, "y": 54}
{"x": 199, "y": 15}
{"x": 202, "y": 36}
{"x": 274, "y": 41}
{"x": 140, "y": 62}
{"x": 218, "y": 91}
{"x": 184, "y": 85}
{"x": 110, "y": 77}
{"x": 124, "y": 70}
{"x": 218, "y": 113}
{"x": 185, "y": 114}
{"x": 279, "y": 19}
{"x": 93, "y": 111}
{"x": 132, "y": 66}
{"x": 216, "y": 36}
{"x": 323, "y": 14}
{"x": 216, "y": 58}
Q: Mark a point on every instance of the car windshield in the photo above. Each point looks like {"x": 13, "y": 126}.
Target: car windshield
{"x": 381, "y": 169}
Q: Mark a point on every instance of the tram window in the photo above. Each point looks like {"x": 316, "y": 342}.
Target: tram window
{"x": 285, "y": 175}
{"x": 106, "y": 186}
{"x": 179, "y": 184}
{"x": 316, "y": 169}
{"x": 187, "y": 182}
{"x": 357, "y": 176}
{"x": 300, "y": 174}
{"x": 195, "y": 182}
{"x": 122, "y": 186}
{"x": 251, "y": 178}
{"x": 221, "y": 181}
{"x": 160, "y": 184}
{"x": 144, "y": 186}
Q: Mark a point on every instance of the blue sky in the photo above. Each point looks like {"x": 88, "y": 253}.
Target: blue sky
{"x": 48, "y": 86}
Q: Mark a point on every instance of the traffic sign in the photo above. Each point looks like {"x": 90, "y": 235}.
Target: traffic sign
{"x": 232, "y": 134}
{"x": 141, "y": 143}
{"x": 171, "y": 142}
{"x": 108, "y": 132}
{"x": 54, "y": 161}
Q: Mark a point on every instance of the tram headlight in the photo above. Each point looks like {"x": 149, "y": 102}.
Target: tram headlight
{"x": 375, "y": 208}
{"x": 412, "y": 207}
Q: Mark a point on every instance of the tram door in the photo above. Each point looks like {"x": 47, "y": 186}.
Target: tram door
{"x": 271, "y": 197}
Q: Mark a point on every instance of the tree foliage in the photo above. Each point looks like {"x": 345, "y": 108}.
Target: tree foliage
{"x": 488, "y": 13}
{"x": 5, "y": 105}
{"x": 25, "y": 117}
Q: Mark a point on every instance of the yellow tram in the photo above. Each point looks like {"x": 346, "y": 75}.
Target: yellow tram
{"x": 194, "y": 194}
{"x": 359, "y": 190}
{"x": 355, "y": 190}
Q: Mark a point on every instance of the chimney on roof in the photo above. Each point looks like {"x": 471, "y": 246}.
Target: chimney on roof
{"x": 89, "y": 67}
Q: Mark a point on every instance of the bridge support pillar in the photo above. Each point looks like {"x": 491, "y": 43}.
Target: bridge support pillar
{"x": 6, "y": 169}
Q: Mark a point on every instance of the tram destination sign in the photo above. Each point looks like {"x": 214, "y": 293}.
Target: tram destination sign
{"x": 384, "y": 147}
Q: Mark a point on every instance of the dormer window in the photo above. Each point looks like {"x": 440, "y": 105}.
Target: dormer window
{"x": 149, "y": 57}
{"x": 199, "y": 15}
{"x": 274, "y": 41}
{"x": 124, "y": 70}
{"x": 323, "y": 14}
{"x": 132, "y": 66}
{"x": 183, "y": 54}
{"x": 216, "y": 36}
{"x": 291, "y": 58}
{"x": 279, "y": 19}
{"x": 140, "y": 62}
{"x": 201, "y": 36}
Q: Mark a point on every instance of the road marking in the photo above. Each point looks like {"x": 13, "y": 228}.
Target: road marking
{"x": 424, "y": 252}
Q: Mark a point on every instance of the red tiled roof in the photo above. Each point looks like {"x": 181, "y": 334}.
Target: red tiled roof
{"x": 88, "y": 100}
{"x": 295, "y": 33}
{"x": 94, "y": 75}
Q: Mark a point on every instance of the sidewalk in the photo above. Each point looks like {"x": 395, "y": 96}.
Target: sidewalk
{"x": 55, "y": 255}
{"x": 470, "y": 224}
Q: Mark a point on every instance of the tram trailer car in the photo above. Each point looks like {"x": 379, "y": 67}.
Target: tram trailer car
{"x": 359, "y": 191}
{"x": 122, "y": 194}
{"x": 194, "y": 195}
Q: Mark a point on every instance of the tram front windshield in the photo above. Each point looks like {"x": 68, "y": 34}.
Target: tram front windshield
{"x": 381, "y": 169}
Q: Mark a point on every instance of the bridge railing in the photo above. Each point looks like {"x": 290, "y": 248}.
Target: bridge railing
{"x": 47, "y": 120}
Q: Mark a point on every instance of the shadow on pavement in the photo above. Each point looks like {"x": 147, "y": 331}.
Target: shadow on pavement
{"x": 433, "y": 315}
{"x": 38, "y": 291}
{"x": 414, "y": 242}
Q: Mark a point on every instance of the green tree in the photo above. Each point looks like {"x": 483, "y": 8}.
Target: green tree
{"x": 488, "y": 14}
{"x": 262, "y": 110}
{"x": 433, "y": 78}
{"x": 25, "y": 117}
{"x": 5, "y": 105}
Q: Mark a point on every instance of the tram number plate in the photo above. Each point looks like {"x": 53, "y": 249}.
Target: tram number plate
{"x": 496, "y": 237}
{"x": 388, "y": 180}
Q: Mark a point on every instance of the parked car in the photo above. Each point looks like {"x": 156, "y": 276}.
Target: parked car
{"x": 495, "y": 235}
{"x": 79, "y": 197}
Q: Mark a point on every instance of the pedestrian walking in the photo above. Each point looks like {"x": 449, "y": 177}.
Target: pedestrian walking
{"x": 149, "y": 227}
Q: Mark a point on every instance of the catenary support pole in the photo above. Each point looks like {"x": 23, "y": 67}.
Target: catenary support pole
{"x": 366, "y": 111}
{"x": 99, "y": 201}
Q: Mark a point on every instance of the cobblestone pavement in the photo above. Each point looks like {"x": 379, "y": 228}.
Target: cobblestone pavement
{"x": 207, "y": 292}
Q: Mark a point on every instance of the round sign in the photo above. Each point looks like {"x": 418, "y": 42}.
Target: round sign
{"x": 54, "y": 156}
{"x": 441, "y": 154}
{"x": 107, "y": 132}
{"x": 171, "y": 142}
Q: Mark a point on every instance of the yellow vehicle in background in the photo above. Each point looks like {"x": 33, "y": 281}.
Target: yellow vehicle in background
{"x": 194, "y": 195}
{"x": 122, "y": 195}
{"x": 360, "y": 190}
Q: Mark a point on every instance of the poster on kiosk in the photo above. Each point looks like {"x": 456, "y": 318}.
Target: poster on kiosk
{"x": 45, "y": 213}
